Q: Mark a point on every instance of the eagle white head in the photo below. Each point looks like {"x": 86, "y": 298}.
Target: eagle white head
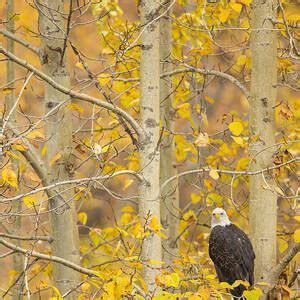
{"x": 219, "y": 218}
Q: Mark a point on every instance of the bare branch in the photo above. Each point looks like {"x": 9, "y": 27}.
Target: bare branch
{"x": 230, "y": 172}
{"x": 74, "y": 94}
{"x": 51, "y": 258}
{"x": 27, "y": 238}
{"x": 74, "y": 181}
{"x": 20, "y": 41}
{"x": 206, "y": 72}
{"x": 226, "y": 76}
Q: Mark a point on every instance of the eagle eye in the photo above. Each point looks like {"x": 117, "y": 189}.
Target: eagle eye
{"x": 222, "y": 214}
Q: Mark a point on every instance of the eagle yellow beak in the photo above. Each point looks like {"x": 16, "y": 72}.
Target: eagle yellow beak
{"x": 217, "y": 216}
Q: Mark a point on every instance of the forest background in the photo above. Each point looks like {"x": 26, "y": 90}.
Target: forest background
{"x": 125, "y": 124}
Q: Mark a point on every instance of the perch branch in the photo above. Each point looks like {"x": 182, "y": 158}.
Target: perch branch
{"x": 288, "y": 255}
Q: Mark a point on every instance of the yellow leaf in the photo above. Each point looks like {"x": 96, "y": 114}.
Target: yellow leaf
{"x": 175, "y": 279}
{"x": 98, "y": 274}
{"x": 189, "y": 215}
{"x": 195, "y": 198}
{"x": 34, "y": 134}
{"x": 135, "y": 257}
{"x": 95, "y": 237}
{"x": 155, "y": 262}
{"x": 246, "y": 2}
{"x": 29, "y": 201}
{"x": 209, "y": 99}
{"x": 126, "y": 218}
{"x": 243, "y": 163}
{"x": 154, "y": 224}
{"x": 208, "y": 184}
{"x": 241, "y": 59}
{"x": 105, "y": 148}
{"x": 214, "y": 174}
{"x": 225, "y": 285}
{"x": 210, "y": 277}
{"x": 13, "y": 155}
{"x": 107, "y": 51}
{"x": 19, "y": 147}
{"x": 44, "y": 150}
{"x": 297, "y": 236}
{"x": 162, "y": 235}
{"x": 75, "y": 106}
{"x": 82, "y": 218}
{"x": 254, "y": 294}
{"x": 224, "y": 14}
{"x": 204, "y": 121}
{"x": 117, "y": 248}
{"x": 236, "y": 128}
{"x": 183, "y": 110}
{"x": 79, "y": 65}
{"x": 213, "y": 198}
{"x": 6, "y": 91}
{"x": 57, "y": 292}
{"x": 104, "y": 78}
{"x": 127, "y": 209}
{"x": 240, "y": 282}
{"x": 236, "y": 6}
{"x": 55, "y": 158}
{"x": 10, "y": 177}
{"x": 239, "y": 140}
{"x": 283, "y": 245}
{"x": 294, "y": 18}
{"x": 85, "y": 286}
{"x": 123, "y": 232}
{"x": 297, "y": 218}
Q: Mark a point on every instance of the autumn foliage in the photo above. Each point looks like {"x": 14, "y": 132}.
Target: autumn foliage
{"x": 210, "y": 77}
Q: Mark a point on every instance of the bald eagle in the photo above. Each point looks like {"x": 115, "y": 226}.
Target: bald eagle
{"x": 231, "y": 252}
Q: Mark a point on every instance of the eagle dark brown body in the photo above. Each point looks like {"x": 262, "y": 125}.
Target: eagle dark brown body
{"x": 232, "y": 254}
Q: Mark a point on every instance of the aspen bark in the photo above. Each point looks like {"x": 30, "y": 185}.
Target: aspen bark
{"x": 10, "y": 99}
{"x": 59, "y": 142}
{"x": 170, "y": 197}
{"x": 263, "y": 202}
{"x": 149, "y": 118}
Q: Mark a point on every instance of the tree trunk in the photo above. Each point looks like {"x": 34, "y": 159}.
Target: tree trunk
{"x": 10, "y": 99}
{"x": 59, "y": 144}
{"x": 170, "y": 196}
{"x": 263, "y": 203}
{"x": 149, "y": 118}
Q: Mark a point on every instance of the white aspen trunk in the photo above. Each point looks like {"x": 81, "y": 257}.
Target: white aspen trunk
{"x": 263, "y": 203}
{"x": 149, "y": 118}
{"x": 170, "y": 196}
{"x": 59, "y": 140}
{"x": 10, "y": 99}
